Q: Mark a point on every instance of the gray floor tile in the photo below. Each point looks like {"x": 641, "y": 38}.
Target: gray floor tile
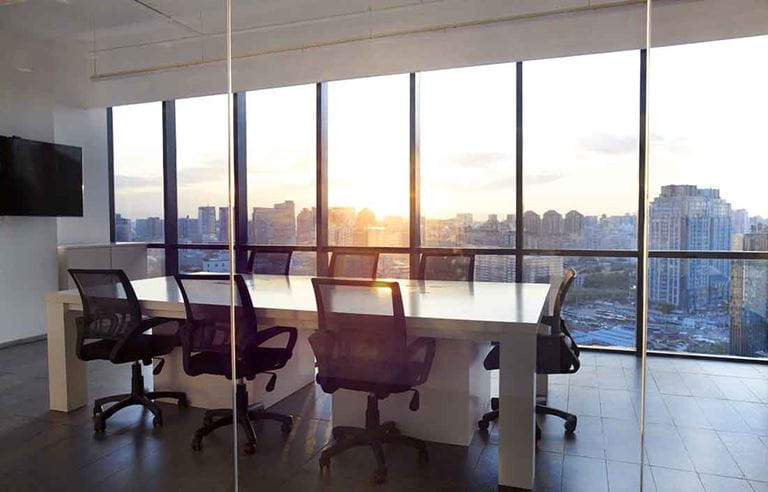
{"x": 750, "y": 453}
{"x": 587, "y": 440}
{"x": 625, "y": 477}
{"x": 584, "y": 474}
{"x": 708, "y": 453}
{"x": 714, "y": 483}
{"x": 665, "y": 448}
{"x": 685, "y": 412}
{"x": 669, "y": 480}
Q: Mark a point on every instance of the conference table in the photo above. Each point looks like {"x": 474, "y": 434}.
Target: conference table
{"x": 464, "y": 318}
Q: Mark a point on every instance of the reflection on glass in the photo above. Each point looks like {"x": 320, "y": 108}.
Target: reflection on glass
{"x": 711, "y": 151}
{"x": 709, "y": 306}
{"x": 601, "y": 306}
{"x": 281, "y": 165}
{"x": 468, "y": 156}
{"x": 137, "y": 132}
{"x": 581, "y": 133}
{"x": 203, "y": 260}
{"x": 368, "y": 158}
{"x": 393, "y": 266}
{"x": 201, "y": 153}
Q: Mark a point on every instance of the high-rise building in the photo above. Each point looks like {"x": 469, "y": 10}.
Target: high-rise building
{"x": 531, "y": 223}
{"x": 275, "y": 225}
{"x": 748, "y": 303}
{"x": 149, "y": 229}
{"x": 306, "y": 222}
{"x": 222, "y": 229}
{"x": 740, "y": 221}
{"x": 122, "y": 229}
{"x": 685, "y": 217}
{"x": 206, "y": 219}
{"x": 552, "y": 223}
{"x": 574, "y": 223}
{"x": 365, "y": 219}
{"x": 464, "y": 220}
{"x": 189, "y": 230}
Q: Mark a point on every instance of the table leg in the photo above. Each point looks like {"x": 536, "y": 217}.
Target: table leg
{"x": 67, "y": 383}
{"x": 517, "y": 400}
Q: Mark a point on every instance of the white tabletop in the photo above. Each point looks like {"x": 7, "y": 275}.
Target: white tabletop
{"x": 475, "y": 310}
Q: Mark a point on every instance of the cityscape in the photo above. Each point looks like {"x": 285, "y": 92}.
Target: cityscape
{"x": 710, "y": 306}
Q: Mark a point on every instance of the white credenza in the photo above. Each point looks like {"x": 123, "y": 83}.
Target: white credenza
{"x": 129, "y": 257}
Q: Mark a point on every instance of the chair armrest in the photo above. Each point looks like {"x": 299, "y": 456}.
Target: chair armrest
{"x": 428, "y": 345}
{"x": 264, "y": 335}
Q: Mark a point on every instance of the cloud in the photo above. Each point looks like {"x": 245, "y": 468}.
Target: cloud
{"x": 610, "y": 144}
{"x": 137, "y": 182}
{"x": 481, "y": 159}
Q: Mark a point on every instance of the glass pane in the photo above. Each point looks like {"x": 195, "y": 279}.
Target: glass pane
{"x": 155, "y": 263}
{"x": 495, "y": 268}
{"x": 581, "y": 129}
{"x": 368, "y": 159}
{"x": 201, "y": 150}
{"x": 468, "y": 156}
{"x": 600, "y": 308}
{"x": 303, "y": 263}
{"x": 709, "y": 306}
{"x": 393, "y": 266}
{"x": 281, "y": 165}
{"x": 702, "y": 152}
{"x": 137, "y": 133}
{"x": 203, "y": 260}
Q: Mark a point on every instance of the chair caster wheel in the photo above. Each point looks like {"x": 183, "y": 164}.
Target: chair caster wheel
{"x": 287, "y": 427}
{"x": 183, "y": 402}
{"x": 197, "y": 444}
{"x": 570, "y": 425}
{"x": 99, "y": 424}
{"x": 157, "y": 422}
{"x": 380, "y": 475}
{"x": 325, "y": 461}
{"x": 250, "y": 448}
{"x": 483, "y": 425}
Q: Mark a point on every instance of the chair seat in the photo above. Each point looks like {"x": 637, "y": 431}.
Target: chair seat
{"x": 362, "y": 375}
{"x": 140, "y": 348}
{"x": 257, "y": 360}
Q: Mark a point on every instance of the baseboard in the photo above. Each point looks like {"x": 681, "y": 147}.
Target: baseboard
{"x": 22, "y": 341}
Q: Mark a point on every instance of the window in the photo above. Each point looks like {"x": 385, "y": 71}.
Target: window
{"x": 368, "y": 158}
{"x": 708, "y": 107}
{"x": 280, "y": 126}
{"x": 202, "y": 166}
{"x": 137, "y": 133}
{"x": 468, "y": 156}
{"x": 581, "y": 151}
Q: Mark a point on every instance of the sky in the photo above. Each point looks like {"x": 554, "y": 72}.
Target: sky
{"x": 708, "y": 108}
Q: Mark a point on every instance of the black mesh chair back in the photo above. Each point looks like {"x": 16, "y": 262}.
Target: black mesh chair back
{"x": 270, "y": 262}
{"x": 364, "y": 326}
{"x": 208, "y": 326}
{"x": 354, "y": 265}
{"x": 111, "y": 310}
{"x": 565, "y": 284}
{"x": 441, "y": 266}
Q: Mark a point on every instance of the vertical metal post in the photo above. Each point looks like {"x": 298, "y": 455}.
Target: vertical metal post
{"x": 519, "y": 210}
{"x": 641, "y": 298}
{"x": 111, "y": 174}
{"x": 415, "y": 176}
{"x": 170, "y": 198}
{"x": 321, "y": 160}
{"x": 240, "y": 206}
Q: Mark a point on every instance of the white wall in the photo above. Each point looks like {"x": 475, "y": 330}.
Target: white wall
{"x": 46, "y": 103}
{"x": 27, "y": 244}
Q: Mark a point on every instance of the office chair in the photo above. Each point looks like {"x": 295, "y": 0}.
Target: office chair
{"x": 447, "y": 266}
{"x": 205, "y": 341}
{"x": 354, "y": 265}
{"x": 556, "y": 353}
{"x": 112, "y": 328}
{"x": 269, "y": 262}
{"x": 362, "y": 346}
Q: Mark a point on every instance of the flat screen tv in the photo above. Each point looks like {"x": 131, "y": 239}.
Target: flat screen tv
{"x": 40, "y": 178}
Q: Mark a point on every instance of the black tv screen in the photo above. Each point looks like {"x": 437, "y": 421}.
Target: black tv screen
{"x": 40, "y": 178}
